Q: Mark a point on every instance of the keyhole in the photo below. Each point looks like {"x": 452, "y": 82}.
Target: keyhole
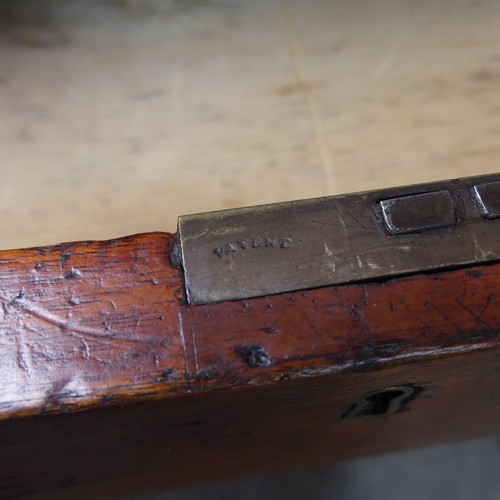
{"x": 381, "y": 402}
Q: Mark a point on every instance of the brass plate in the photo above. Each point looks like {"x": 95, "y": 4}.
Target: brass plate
{"x": 268, "y": 249}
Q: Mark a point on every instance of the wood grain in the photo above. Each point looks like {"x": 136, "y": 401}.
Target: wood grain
{"x": 111, "y": 384}
{"x": 119, "y": 116}
{"x": 87, "y": 320}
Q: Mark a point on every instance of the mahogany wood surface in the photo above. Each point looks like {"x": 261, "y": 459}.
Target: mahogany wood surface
{"x": 111, "y": 383}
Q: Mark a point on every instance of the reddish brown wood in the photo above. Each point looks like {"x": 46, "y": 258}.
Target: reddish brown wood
{"x": 345, "y": 327}
{"x": 121, "y": 386}
{"x": 88, "y": 324}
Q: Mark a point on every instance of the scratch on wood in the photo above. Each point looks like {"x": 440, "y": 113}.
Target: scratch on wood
{"x": 23, "y": 354}
{"x": 472, "y": 313}
{"x": 64, "y": 258}
{"x": 444, "y": 316}
{"x": 24, "y": 304}
{"x": 183, "y": 340}
{"x": 195, "y": 352}
{"x": 86, "y": 349}
{"x": 489, "y": 300}
{"x": 137, "y": 326}
{"x": 37, "y": 332}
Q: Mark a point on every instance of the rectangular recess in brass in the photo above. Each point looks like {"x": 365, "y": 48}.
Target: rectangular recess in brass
{"x": 281, "y": 247}
{"x": 419, "y": 212}
{"x": 488, "y": 199}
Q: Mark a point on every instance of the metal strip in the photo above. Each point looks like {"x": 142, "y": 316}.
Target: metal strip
{"x": 267, "y": 249}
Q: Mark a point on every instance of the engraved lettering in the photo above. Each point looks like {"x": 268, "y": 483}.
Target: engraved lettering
{"x": 248, "y": 244}
{"x": 220, "y": 252}
{"x": 285, "y": 242}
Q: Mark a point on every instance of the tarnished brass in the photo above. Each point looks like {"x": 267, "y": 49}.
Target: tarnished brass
{"x": 488, "y": 199}
{"x": 267, "y": 249}
{"x": 419, "y": 212}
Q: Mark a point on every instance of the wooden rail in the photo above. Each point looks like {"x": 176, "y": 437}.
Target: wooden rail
{"x": 111, "y": 383}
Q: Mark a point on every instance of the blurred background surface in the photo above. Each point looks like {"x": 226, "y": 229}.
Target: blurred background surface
{"x": 117, "y": 116}
{"x": 462, "y": 471}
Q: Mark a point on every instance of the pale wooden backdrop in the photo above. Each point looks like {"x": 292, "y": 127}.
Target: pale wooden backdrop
{"x": 117, "y": 116}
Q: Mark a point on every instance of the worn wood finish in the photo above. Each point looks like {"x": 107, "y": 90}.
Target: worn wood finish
{"x": 122, "y": 386}
{"x": 227, "y": 434}
{"x": 118, "y": 116}
{"x": 83, "y": 323}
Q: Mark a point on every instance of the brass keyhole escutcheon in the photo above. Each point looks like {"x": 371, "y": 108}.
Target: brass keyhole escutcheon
{"x": 386, "y": 401}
